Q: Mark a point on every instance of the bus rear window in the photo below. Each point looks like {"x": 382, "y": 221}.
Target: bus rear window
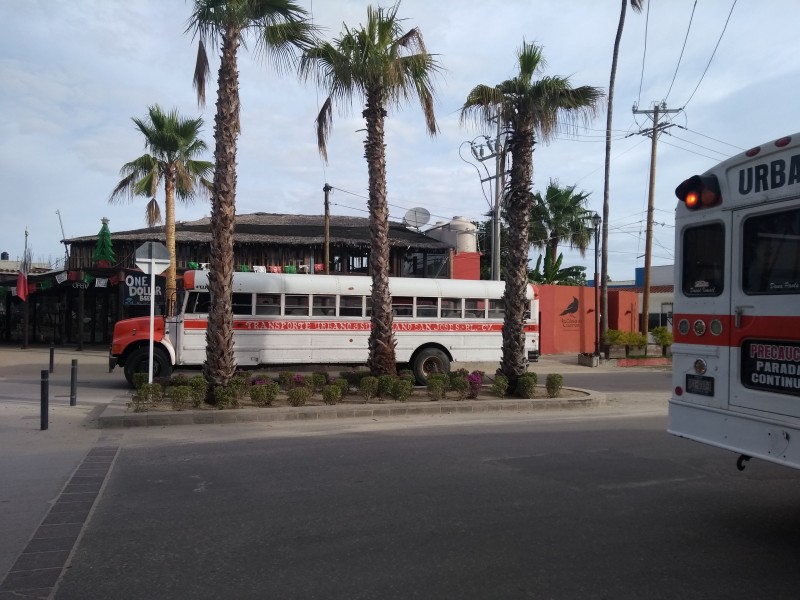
{"x": 703, "y": 269}
{"x": 771, "y": 253}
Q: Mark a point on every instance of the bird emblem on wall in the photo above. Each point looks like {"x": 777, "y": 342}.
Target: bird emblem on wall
{"x": 572, "y": 307}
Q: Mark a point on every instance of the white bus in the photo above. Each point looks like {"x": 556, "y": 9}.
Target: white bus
{"x": 283, "y": 319}
{"x": 736, "y": 356}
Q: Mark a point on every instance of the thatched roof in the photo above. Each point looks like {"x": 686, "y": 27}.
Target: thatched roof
{"x": 280, "y": 230}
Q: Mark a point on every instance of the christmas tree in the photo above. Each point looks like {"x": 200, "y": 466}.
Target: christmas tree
{"x": 104, "y": 255}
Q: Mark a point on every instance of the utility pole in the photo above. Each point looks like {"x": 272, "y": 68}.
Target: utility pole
{"x": 327, "y": 189}
{"x": 658, "y": 109}
{"x": 496, "y": 151}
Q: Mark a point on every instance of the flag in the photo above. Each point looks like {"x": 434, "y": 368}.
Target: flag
{"x": 22, "y": 286}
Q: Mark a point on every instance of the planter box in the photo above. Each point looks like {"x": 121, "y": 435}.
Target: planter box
{"x": 588, "y": 360}
{"x": 614, "y": 351}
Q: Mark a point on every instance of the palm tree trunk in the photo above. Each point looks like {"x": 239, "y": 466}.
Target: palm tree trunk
{"x": 169, "y": 234}
{"x": 220, "y": 365}
{"x": 518, "y": 206}
{"x": 382, "y": 358}
{"x": 606, "y": 182}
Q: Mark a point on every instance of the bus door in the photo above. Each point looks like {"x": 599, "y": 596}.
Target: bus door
{"x": 765, "y": 309}
{"x": 701, "y": 352}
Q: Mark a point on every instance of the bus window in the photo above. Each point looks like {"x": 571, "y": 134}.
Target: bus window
{"x": 497, "y": 309}
{"x": 296, "y": 305}
{"x": 324, "y": 306}
{"x": 426, "y": 307}
{"x": 369, "y": 306}
{"x": 402, "y": 306}
{"x": 451, "y": 308}
{"x": 704, "y": 260}
{"x": 351, "y": 306}
{"x": 198, "y": 303}
{"x": 474, "y": 308}
{"x": 242, "y": 304}
{"x": 771, "y": 246}
{"x": 268, "y": 304}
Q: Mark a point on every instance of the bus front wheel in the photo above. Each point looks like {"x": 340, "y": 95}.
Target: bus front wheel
{"x": 428, "y": 362}
{"x": 139, "y": 361}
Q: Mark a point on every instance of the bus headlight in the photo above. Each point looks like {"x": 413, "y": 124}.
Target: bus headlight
{"x": 700, "y": 366}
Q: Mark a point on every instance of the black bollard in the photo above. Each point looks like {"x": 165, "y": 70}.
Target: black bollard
{"x": 73, "y": 383}
{"x": 45, "y": 405}
{"x": 52, "y": 356}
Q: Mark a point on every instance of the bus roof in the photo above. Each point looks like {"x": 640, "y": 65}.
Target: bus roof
{"x": 282, "y": 283}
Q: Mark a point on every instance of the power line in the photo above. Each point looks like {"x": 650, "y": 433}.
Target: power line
{"x": 691, "y": 18}
{"x": 644, "y": 54}
{"x": 712, "y": 54}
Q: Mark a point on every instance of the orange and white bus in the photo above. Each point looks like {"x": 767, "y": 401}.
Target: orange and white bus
{"x": 736, "y": 351}
{"x": 285, "y": 319}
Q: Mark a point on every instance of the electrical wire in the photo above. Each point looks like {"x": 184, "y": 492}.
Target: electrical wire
{"x": 691, "y": 18}
{"x": 644, "y": 53}
{"x": 712, "y": 54}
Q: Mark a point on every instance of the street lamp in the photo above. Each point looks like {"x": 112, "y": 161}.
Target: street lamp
{"x": 596, "y": 220}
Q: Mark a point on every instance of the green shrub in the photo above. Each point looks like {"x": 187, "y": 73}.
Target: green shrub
{"x": 614, "y": 337}
{"x": 401, "y": 389}
{"x": 354, "y": 377}
{"x": 500, "y": 385}
{"x": 437, "y": 386}
{"x": 662, "y": 336}
{"x": 453, "y": 375}
{"x": 225, "y": 396}
{"x": 298, "y": 396}
{"x": 407, "y": 374}
{"x": 238, "y": 385}
{"x": 146, "y": 395}
{"x": 264, "y": 394}
{"x": 368, "y": 387}
{"x": 460, "y": 385}
{"x": 331, "y": 394}
{"x": 554, "y": 384}
{"x": 634, "y": 338}
{"x": 343, "y": 385}
{"x": 139, "y": 379}
{"x": 526, "y": 385}
{"x": 179, "y": 396}
{"x": 285, "y": 379}
{"x": 199, "y": 387}
{"x": 385, "y": 385}
{"x": 319, "y": 379}
{"x": 179, "y": 380}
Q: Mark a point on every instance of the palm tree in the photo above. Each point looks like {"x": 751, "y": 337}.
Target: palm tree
{"x": 280, "y": 29}
{"x": 636, "y": 5}
{"x": 560, "y": 216}
{"x": 172, "y": 143}
{"x": 528, "y": 109}
{"x": 383, "y": 66}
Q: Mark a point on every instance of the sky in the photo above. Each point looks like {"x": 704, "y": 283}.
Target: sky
{"x": 74, "y": 73}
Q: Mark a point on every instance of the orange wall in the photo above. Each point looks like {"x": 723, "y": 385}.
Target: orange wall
{"x": 623, "y": 310}
{"x": 567, "y": 317}
{"x": 466, "y": 265}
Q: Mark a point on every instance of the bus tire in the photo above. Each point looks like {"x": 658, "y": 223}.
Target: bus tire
{"x": 429, "y": 361}
{"x": 138, "y": 362}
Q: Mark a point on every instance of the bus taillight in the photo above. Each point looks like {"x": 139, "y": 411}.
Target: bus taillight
{"x": 699, "y": 191}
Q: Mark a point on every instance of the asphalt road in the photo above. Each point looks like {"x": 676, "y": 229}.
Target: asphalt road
{"x": 594, "y": 505}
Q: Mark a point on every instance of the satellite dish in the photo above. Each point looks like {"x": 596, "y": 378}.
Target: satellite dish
{"x": 416, "y": 217}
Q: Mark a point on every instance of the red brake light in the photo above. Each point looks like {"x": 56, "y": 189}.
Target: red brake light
{"x": 699, "y": 191}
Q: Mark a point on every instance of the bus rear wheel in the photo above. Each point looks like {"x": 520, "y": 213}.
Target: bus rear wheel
{"x": 138, "y": 362}
{"x": 428, "y": 362}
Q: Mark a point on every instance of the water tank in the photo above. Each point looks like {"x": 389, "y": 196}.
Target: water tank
{"x": 3, "y": 255}
{"x": 463, "y": 235}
